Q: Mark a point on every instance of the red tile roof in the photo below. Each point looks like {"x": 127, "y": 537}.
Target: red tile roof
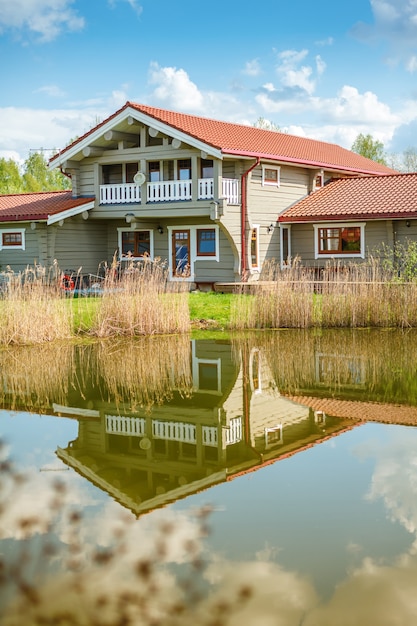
{"x": 381, "y": 197}
{"x": 37, "y": 206}
{"x": 248, "y": 141}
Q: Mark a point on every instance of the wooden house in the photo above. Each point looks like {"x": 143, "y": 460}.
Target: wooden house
{"x": 206, "y": 196}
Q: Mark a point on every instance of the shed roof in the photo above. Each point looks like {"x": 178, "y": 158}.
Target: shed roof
{"x": 245, "y": 141}
{"x": 37, "y": 206}
{"x": 359, "y": 198}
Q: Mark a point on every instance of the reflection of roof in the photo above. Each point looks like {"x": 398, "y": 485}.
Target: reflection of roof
{"x": 371, "y": 197}
{"x": 249, "y": 141}
{"x": 37, "y": 206}
{"x": 363, "y": 411}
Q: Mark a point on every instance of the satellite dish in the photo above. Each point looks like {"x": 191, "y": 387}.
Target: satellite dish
{"x": 139, "y": 178}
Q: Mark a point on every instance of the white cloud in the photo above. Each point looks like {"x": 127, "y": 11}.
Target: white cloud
{"x": 45, "y": 18}
{"x": 173, "y": 88}
{"x": 252, "y": 68}
{"x": 134, "y": 4}
{"x": 290, "y": 72}
{"x": 51, "y": 90}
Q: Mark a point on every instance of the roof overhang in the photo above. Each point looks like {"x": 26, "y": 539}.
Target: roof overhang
{"x": 75, "y": 149}
{"x": 63, "y": 215}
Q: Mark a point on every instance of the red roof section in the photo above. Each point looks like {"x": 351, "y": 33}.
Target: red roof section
{"x": 37, "y": 206}
{"x": 241, "y": 140}
{"x": 386, "y": 197}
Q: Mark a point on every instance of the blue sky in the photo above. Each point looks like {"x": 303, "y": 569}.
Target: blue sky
{"x": 319, "y": 70}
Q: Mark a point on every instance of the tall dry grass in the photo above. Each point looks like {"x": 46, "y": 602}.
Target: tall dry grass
{"x": 32, "y": 308}
{"x": 142, "y": 301}
{"x": 136, "y": 300}
{"x": 354, "y": 295}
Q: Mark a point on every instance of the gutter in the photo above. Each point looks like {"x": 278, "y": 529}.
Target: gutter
{"x": 243, "y": 214}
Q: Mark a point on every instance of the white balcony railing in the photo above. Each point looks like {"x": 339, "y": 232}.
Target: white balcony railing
{"x": 122, "y": 193}
{"x": 168, "y": 191}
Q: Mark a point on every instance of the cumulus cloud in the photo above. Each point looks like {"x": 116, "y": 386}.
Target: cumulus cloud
{"x": 51, "y": 90}
{"x": 173, "y": 87}
{"x": 47, "y": 19}
{"x": 294, "y": 74}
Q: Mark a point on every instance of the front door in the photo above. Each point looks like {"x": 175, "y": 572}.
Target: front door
{"x": 181, "y": 253}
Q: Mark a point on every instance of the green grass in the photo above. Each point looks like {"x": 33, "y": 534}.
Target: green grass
{"x": 210, "y": 309}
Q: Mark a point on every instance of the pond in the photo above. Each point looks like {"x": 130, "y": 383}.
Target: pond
{"x": 265, "y": 478}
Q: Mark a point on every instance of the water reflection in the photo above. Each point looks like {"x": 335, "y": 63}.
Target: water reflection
{"x": 170, "y": 420}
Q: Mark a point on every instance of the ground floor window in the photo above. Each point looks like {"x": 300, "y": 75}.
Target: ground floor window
{"x": 190, "y": 244}
{"x": 135, "y": 244}
{"x": 12, "y": 239}
{"x": 285, "y": 245}
{"x": 339, "y": 240}
{"x": 254, "y": 247}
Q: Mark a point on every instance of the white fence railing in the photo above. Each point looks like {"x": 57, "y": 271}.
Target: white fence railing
{"x": 121, "y": 425}
{"x": 168, "y": 191}
{"x": 123, "y": 193}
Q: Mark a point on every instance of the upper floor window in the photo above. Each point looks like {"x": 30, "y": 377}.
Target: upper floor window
{"x": 341, "y": 240}
{"x": 270, "y": 175}
{"x": 207, "y": 170}
{"x": 319, "y": 180}
{"x": 12, "y": 239}
{"x": 154, "y": 168}
{"x": 184, "y": 169}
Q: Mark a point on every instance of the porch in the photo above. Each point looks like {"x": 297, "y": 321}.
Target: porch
{"x": 168, "y": 191}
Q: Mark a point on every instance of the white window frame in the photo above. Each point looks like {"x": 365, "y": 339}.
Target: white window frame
{"x": 266, "y": 183}
{"x": 339, "y": 255}
{"x": 136, "y": 230}
{"x": 196, "y": 362}
{"x": 193, "y": 248}
{"x": 257, "y": 228}
{"x": 20, "y": 246}
{"x": 283, "y": 261}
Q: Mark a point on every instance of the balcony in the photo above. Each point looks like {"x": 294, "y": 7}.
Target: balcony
{"x": 168, "y": 191}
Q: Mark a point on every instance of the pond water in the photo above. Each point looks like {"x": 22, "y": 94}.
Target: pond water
{"x": 263, "y": 479}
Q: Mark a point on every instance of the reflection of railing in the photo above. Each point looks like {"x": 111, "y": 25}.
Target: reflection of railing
{"x": 174, "y": 431}
{"x": 121, "y": 425}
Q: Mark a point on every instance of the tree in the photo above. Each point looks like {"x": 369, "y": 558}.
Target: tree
{"x": 37, "y": 176}
{"x": 10, "y": 178}
{"x": 368, "y": 147}
{"x": 265, "y": 124}
{"x": 410, "y": 160}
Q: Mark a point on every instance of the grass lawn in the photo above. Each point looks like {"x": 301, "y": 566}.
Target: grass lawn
{"x": 210, "y": 310}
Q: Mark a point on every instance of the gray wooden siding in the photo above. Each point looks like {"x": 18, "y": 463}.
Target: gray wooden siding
{"x": 81, "y": 244}
{"x": 377, "y": 234}
{"x": 18, "y": 260}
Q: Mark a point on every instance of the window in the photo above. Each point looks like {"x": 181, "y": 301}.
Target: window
{"x": 131, "y": 169}
{"x": 207, "y": 170}
{"x": 270, "y": 175}
{"x": 319, "y": 181}
{"x": 112, "y": 174}
{"x": 184, "y": 169}
{"x": 154, "y": 171}
{"x": 12, "y": 239}
{"x": 135, "y": 243}
{"x": 339, "y": 240}
{"x": 254, "y": 248}
{"x": 285, "y": 241}
{"x": 206, "y": 242}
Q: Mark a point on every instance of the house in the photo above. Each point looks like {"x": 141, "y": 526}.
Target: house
{"x": 202, "y": 194}
{"x": 349, "y": 218}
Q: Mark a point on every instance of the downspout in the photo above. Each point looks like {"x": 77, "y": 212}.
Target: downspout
{"x": 243, "y": 217}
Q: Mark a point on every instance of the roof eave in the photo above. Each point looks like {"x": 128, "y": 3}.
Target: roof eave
{"x": 316, "y": 164}
{"x": 62, "y": 215}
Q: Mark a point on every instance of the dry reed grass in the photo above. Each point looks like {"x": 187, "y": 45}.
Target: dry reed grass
{"x": 142, "y": 301}
{"x": 355, "y": 295}
{"x": 32, "y": 309}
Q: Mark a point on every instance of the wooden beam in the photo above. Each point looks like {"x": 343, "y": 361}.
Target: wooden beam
{"x": 92, "y": 151}
{"x": 132, "y": 122}
{"x": 176, "y": 143}
{"x": 115, "y": 135}
{"x": 153, "y": 132}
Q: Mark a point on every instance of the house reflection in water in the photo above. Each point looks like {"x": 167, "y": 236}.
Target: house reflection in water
{"x": 232, "y": 420}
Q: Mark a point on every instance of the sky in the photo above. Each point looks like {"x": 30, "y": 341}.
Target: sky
{"x": 322, "y": 70}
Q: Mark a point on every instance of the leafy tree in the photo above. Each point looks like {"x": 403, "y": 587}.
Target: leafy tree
{"x": 37, "y": 176}
{"x": 410, "y": 160}
{"x": 10, "y": 178}
{"x": 370, "y": 148}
